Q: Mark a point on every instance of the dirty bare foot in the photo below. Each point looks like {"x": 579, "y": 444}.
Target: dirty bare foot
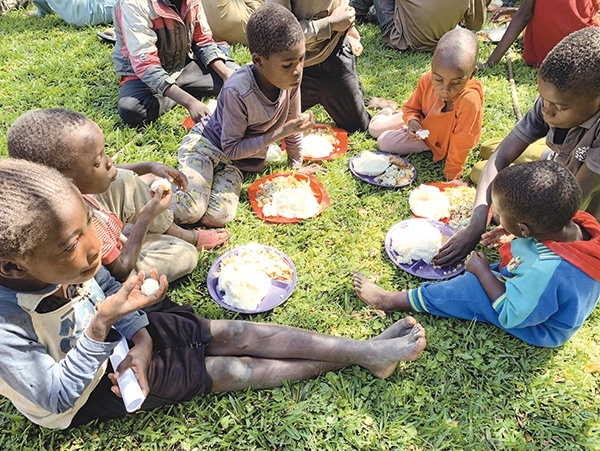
{"x": 378, "y": 297}
{"x": 400, "y": 328}
{"x": 381, "y": 103}
{"x": 387, "y": 354}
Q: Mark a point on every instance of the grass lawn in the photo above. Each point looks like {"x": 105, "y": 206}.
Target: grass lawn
{"x": 474, "y": 387}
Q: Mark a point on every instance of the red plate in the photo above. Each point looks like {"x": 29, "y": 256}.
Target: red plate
{"x": 338, "y": 149}
{"x": 442, "y": 186}
{"x": 317, "y": 188}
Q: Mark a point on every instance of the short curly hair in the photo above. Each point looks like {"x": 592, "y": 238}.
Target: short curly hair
{"x": 573, "y": 66}
{"x": 32, "y": 196}
{"x": 272, "y": 29}
{"x": 542, "y": 194}
{"x": 43, "y": 136}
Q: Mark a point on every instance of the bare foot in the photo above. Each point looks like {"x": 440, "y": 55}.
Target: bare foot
{"x": 381, "y": 103}
{"x": 211, "y": 238}
{"x": 388, "y": 353}
{"x": 400, "y": 328}
{"x": 375, "y": 296}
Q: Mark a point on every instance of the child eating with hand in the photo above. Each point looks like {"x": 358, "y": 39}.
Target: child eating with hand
{"x": 258, "y": 106}
{"x": 62, "y": 314}
{"x": 444, "y": 114}
{"x": 73, "y": 144}
{"x": 548, "y": 281}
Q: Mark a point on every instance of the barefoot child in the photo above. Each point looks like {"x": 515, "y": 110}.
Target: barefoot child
{"x": 448, "y": 103}
{"x": 567, "y": 115}
{"x": 548, "y": 281}
{"x": 259, "y": 105}
{"x": 57, "y": 306}
{"x": 73, "y": 144}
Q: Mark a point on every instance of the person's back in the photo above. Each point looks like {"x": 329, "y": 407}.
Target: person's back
{"x": 548, "y": 280}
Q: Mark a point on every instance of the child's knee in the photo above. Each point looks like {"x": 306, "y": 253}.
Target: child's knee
{"x": 131, "y": 111}
{"x": 218, "y": 218}
{"x": 186, "y": 208}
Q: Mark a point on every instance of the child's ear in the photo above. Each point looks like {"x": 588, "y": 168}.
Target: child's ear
{"x": 525, "y": 230}
{"x": 257, "y": 60}
{"x": 11, "y": 270}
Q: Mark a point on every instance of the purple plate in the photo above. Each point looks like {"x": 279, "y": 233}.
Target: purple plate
{"x": 277, "y": 294}
{"x": 418, "y": 267}
{"x": 371, "y": 179}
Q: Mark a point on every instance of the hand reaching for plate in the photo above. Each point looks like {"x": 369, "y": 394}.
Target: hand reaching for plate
{"x": 496, "y": 237}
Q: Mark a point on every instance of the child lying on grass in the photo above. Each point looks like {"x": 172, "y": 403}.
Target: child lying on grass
{"x": 61, "y": 314}
{"x": 548, "y": 281}
{"x": 448, "y": 102}
{"x": 73, "y": 144}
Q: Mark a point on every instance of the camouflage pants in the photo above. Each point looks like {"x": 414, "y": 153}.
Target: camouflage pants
{"x": 170, "y": 256}
{"x": 214, "y": 184}
{"x": 7, "y": 5}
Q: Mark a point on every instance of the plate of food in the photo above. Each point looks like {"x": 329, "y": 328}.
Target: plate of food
{"x": 251, "y": 279}
{"x": 382, "y": 169}
{"x": 288, "y": 197}
{"x": 324, "y": 142}
{"x": 411, "y": 245}
{"x": 450, "y": 203}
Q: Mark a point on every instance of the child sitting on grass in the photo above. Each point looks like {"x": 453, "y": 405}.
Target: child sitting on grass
{"x": 58, "y": 304}
{"x": 258, "y": 106}
{"x": 567, "y": 114}
{"x": 448, "y": 102}
{"x": 548, "y": 281}
{"x": 73, "y": 144}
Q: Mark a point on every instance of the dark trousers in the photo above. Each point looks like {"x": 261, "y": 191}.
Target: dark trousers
{"x": 138, "y": 105}
{"x": 334, "y": 84}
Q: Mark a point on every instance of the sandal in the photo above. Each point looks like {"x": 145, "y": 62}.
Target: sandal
{"x": 108, "y": 35}
{"x": 210, "y": 238}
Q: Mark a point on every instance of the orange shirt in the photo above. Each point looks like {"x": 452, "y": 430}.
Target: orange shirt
{"x": 453, "y": 133}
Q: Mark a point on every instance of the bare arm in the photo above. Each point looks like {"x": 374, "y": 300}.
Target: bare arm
{"x": 465, "y": 240}
{"x": 479, "y": 266}
{"x": 516, "y": 26}
{"x": 197, "y": 109}
{"x": 589, "y": 182}
{"x": 125, "y": 262}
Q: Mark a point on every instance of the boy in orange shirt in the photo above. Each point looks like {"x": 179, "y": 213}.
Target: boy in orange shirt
{"x": 448, "y": 103}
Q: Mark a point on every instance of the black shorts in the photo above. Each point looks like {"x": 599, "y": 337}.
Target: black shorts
{"x": 177, "y": 372}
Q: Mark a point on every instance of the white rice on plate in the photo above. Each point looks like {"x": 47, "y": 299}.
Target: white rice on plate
{"x": 419, "y": 240}
{"x": 316, "y": 146}
{"x": 429, "y": 202}
{"x": 287, "y": 197}
{"x": 246, "y": 277}
{"x": 370, "y": 163}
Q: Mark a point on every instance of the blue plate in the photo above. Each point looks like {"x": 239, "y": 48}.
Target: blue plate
{"x": 371, "y": 179}
{"x": 277, "y": 294}
{"x": 418, "y": 267}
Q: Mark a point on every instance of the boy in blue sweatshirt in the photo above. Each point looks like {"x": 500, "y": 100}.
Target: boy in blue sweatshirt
{"x": 548, "y": 281}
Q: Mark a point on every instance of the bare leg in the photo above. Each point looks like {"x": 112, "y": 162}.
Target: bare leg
{"x": 381, "y": 103}
{"x": 378, "y": 297}
{"x": 238, "y": 373}
{"x": 271, "y": 341}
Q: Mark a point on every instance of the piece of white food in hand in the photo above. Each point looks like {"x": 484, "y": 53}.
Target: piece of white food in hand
{"x": 163, "y": 183}
{"x": 422, "y": 133}
{"x": 149, "y": 287}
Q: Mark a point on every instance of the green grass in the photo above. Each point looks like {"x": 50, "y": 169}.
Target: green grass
{"x": 474, "y": 387}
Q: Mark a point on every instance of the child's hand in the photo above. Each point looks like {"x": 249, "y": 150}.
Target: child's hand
{"x": 169, "y": 173}
{"x": 159, "y": 203}
{"x": 197, "y": 110}
{"x": 477, "y": 262}
{"x": 312, "y": 169}
{"x": 496, "y": 237}
{"x": 138, "y": 359}
{"x": 413, "y": 127}
{"x": 302, "y": 123}
{"x": 130, "y": 299}
{"x": 342, "y": 18}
